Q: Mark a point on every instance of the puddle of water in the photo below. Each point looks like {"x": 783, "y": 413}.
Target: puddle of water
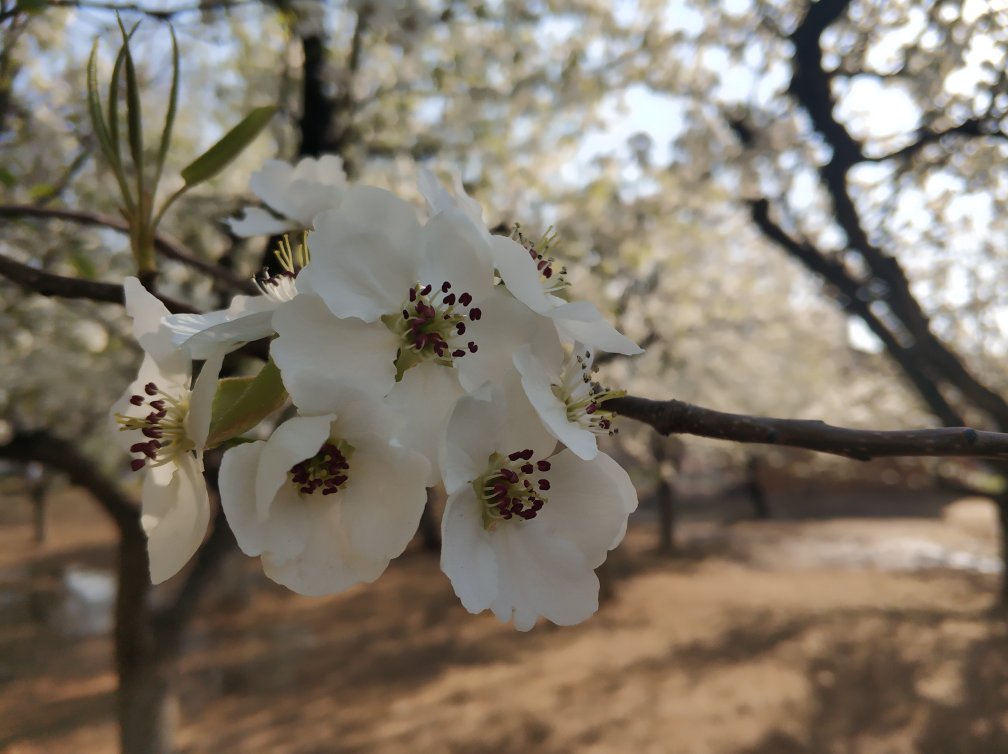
{"x": 85, "y": 603}
{"x": 888, "y": 554}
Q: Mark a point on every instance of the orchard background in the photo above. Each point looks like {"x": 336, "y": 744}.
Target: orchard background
{"x": 795, "y": 206}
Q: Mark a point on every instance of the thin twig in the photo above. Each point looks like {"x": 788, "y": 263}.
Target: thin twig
{"x": 165, "y": 245}
{"x": 60, "y": 286}
{"x": 678, "y": 417}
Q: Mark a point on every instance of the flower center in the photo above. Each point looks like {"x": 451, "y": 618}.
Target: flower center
{"x": 553, "y": 276}
{"x": 327, "y": 470}
{"x": 281, "y": 286}
{"x": 584, "y": 397}
{"x": 164, "y": 427}
{"x": 432, "y": 326}
{"x": 509, "y": 488}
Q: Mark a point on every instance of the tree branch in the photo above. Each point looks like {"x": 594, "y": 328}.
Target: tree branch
{"x": 62, "y": 455}
{"x": 972, "y": 127}
{"x": 165, "y": 245}
{"x": 48, "y": 284}
{"x": 678, "y": 417}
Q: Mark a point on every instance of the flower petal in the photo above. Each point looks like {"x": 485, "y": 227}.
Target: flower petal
{"x": 519, "y": 273}
{"x": 466, "y": 555}
{"x": 271, "y": 182}
{"x": 582, "y": 321}
{"x": 175, "y": 517}
{"x": 237, "y": 481}
{"x": 505, "y": 326}
{"x": 147, "y": 311}
{"x": 540, "y": 574}
{"x": 383, "y": 499}
{"x": 328, "y": 564}
{"x": 201, "y": 401}
{"x": 550, "y": 409}
{"x": 360, "y": 270}
{"x": 454, "y": 250}
{"x": 292, "y": 442}
{"x": 248, "y": 318}
{"x": 589, "y": 502}
{"x": 472, "y": 436}
{"x": 318, "y": 354}
{"x": 423, "y": 400}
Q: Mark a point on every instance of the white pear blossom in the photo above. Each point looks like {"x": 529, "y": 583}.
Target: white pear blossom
{"x": 295, "y": 194}
{"x": 531, "y": 275}
{"x": 164, "y": 424}
{"x": 327, "y": 501}
{"x": 398, "y": 309}
{"x": 248, "y": 318}
{"x": 569, "y": 402}
{"x": 523, "y": 530}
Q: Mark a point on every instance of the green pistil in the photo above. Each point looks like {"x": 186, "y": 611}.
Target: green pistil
{"x": 507, "y": 489}
{"x": 431, "y": 326}
{"x": 327, "y": 471}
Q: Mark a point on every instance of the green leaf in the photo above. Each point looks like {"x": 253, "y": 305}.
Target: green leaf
{"x": 113, "y": 103}
{"x": 170, "y": 115}
{"x": 83, "y": 266}
{"x": 133, "y": 121}
{"x": 7, "y": 178}
{"x": 101, "y": 129}
{"x": 242, "y": 402}
{"x": 94, "y": 105}
{"x": 40, "y": 190}
{"x": 215, "y": 159}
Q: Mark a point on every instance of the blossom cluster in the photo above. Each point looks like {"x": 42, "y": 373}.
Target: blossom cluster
{"x": 415, "y": 353}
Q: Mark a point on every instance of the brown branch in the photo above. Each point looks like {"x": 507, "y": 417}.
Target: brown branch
{"x": 165, "y": 245}
{"x": 678, "y": 417}
{"x": 49, "y": 284}
{"x": 61, "y": 455}
{"x": 972, "y": 127}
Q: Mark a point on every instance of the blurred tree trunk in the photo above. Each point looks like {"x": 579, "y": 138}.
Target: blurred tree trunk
{"x": 665, "y": 495}
{"x": 38, "y": 490}
{"x": 145, "y": 701}
{"x": 754, "y": 488}
{"x": 668, "y": 456}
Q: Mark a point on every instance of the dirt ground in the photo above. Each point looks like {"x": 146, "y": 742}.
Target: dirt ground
{"x": 858, "y": 635}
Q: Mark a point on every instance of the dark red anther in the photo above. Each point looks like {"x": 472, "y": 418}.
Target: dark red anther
{"x": 445, "y": 286}
{"x": 425, "y": 290}
{"x": 150, "y": 388}
{"x": 544, "y": 484}
{"x": 591, "y": 408}
{"x": 543, "y": 465}
{"x": 137, "y": 463}
{"x": 151, "y": 432}
{"x": 137, "y": 400}
{"x": 473, "y": 348}
{"x": 475, "y": 313}
{"x": 548, "y": 273}
{"x": 509, "y": 475}
{"x": 527, "y": 468}
{"x": 450, "y": 299}
{"x": 412, "y": 294}
{"x": 527, "y": 454}
{"x": 465, "y": 299}
{"x": 460, "y": 328}
{"x": 515, "y": 456}
{"x": 405, "y": 314}
{"x": 458, "y": 353}
{"x": 138, "y": 447}
{"x": 542, "y": 263}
